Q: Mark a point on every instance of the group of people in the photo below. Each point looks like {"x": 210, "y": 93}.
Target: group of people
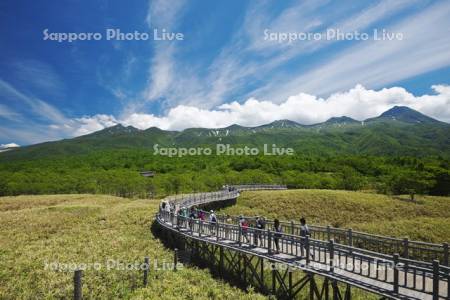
{"x": 186, "y": 217}
{"x": 258, "y": 226}
{"x": 304, "y": 231}
{"x": 228, "y": 188}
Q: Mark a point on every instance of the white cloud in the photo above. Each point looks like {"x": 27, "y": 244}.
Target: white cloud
{"x": 87, "y": 125}
{"x": 163, "y": 13}
{"x": 38, "y": 75}
{"x": 425, "y": 47}
{"x": 10, "y": 145}
{"x": 358, "y": 103}
{"x": 37, "y": 106}
{"x": 248, "y": 59}
{"x": 162, "y": 70}
{"x": 8, "y": 113}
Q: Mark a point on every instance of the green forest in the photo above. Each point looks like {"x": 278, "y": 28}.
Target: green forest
{"x": 400, "y": 152}
{"x": 116, "y": 172}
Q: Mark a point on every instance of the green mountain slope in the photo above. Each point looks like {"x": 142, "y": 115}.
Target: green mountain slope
{"x": 398, "y": 131}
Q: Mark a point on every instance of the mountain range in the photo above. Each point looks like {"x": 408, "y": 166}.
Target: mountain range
{"x": 398, "y": 131}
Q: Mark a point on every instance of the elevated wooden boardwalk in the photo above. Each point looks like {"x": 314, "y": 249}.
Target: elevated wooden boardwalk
{"x": 330, "y": 269}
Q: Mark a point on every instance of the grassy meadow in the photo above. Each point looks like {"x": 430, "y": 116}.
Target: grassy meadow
{"x": 426, "y": 219}
{"x": 38, "y": 230}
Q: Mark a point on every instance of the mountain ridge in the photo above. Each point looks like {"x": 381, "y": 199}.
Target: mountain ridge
{"x": 399, "y": 130}
{"x": 398, "y": 113}
{"x": 402, "y": 113}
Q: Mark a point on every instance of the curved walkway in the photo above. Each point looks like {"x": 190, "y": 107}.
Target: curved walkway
{"x": 390, "y": 276}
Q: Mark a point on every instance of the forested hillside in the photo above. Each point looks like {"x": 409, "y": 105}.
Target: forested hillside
{"x": 400, "y": 152}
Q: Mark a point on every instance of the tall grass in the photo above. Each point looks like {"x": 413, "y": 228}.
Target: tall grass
{"x": 35, "y": 230}
{"x": 426, "y": 219}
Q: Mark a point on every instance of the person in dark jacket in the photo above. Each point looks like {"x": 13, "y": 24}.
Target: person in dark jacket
{"x": 260, "y": 227}
{"x": 277, "y": 235}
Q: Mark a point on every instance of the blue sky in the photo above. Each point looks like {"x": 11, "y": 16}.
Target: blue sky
{"x": 224, "y": 71}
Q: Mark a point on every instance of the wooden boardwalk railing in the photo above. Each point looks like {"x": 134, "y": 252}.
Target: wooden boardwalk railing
{"x": 386, "y": 274}
{"x": 417, "y": 250}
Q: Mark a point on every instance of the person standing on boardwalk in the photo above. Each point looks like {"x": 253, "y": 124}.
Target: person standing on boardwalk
{"x": 260, "y": 226}
{"x": 304, "y": 232}
{"x": 277, "y": 235}
{"x": 228, "y": 221}
{"x": 192, "y": 217}
{"x": 304, "y": 229}
{"x": 212, "y": 221}
{"x": 244, "y": 227}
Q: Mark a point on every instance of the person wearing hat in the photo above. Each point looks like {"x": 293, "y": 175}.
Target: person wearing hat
{"x": 212, "y": 221}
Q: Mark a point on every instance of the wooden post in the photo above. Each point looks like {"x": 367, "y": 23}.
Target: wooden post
{"x": 147, "y": 267}
{"x": 77, "y": 285}
{"x": 406, "y": 248}
{"x": 274, "y": 284}
{"x": 240, "y": 235}
{"x": 328, "y": 232}
{"x": 262, "y": 273}
{"x": 348, "y": 292}
{"x": 217, "y": 230}
{"x": 307, "y": 249}
{"x": 331, "y": 251}
{"x": 335, "y": 289}
{"x": 292, "y": 227}
{"x": 395, "y": 283}
{"x": 435, "y": 279}
{"x": 175, "y": 259}
{"x": 311, "y": 286}
{"x": 350, "y": 237}
{"x": 245, "y": 268}
{"x": 211, "y": 254}
{"x": 269, "y": 242}
{"x": 290, "y": 282}
{"x": 239, "y": 268}
{"x": 221, "y": 262}
{"x": 445, "y": 260}
{"x": 172, "y": 217}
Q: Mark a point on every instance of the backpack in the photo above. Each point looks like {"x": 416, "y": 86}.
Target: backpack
{"x": 244, "y": 226}
{"x": 304, "y": 230}
{"x": 261, "y": 224}
{"x": 278, "y": 231}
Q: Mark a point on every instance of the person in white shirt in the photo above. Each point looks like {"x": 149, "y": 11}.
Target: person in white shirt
{"x": 213, "y": 221}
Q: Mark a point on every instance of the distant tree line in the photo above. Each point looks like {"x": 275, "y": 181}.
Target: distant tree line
{"x": 117, "y": 173}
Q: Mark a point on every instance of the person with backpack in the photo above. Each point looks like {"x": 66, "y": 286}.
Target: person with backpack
{"x": 244, "y": 227}
{"x": 192, "y": 217}
{"x": 304, "y": 229}
{"x": 260, "y": 226}
{"x": 201, "y": 217}
{"x": 276, "y": 237}
{"x": 185, "y": 216}
{"x": 304, "y": 232}
{"x": 212, "y": 221}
